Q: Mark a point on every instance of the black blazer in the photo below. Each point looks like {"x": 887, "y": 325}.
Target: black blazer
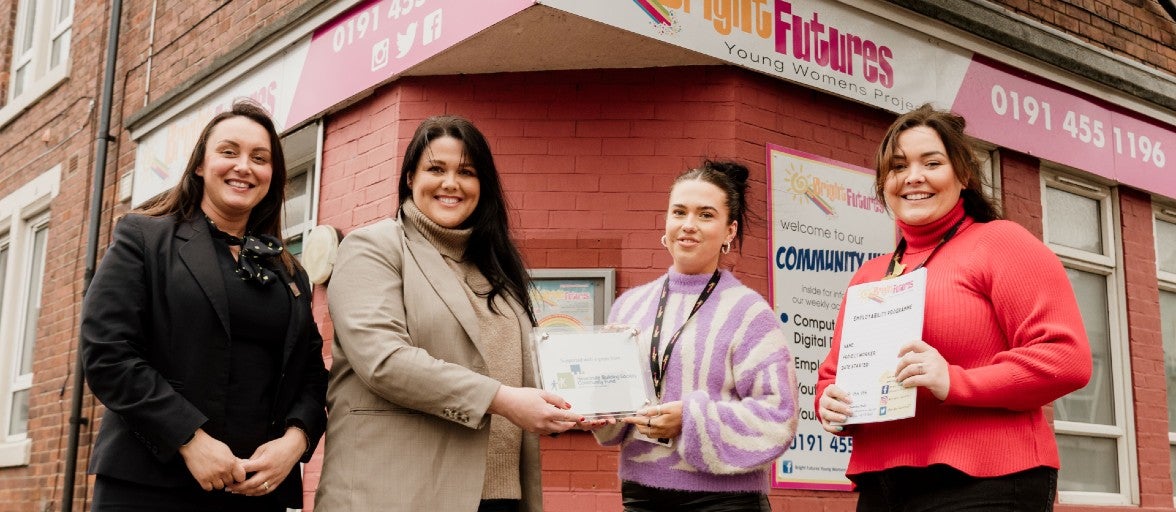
{"x": 155, "y": 342}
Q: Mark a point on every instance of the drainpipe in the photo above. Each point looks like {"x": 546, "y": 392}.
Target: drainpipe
{"x": 104, "y": 138}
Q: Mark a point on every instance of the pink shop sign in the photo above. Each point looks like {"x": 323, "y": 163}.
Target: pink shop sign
{"x": 377, "y": 40}
{"x": 1026, "y": 113}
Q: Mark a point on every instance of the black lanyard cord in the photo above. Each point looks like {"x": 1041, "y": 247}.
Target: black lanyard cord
{"x": 895, "y": 268}
{"x": 658, "y": 370}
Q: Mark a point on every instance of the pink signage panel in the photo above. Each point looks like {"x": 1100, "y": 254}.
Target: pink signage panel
{"x": 377, "y": 40}
{"x": 1028, "y": 114}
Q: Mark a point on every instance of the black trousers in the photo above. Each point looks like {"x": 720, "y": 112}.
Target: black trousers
{"x": 499, "y": 505}
{"x": 943, "y": 488}
{"x": 640, "y": 498}
{"x": 114, "y": 495}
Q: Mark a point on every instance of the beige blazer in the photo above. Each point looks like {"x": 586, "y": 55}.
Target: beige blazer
{"x": 407, "y": 426}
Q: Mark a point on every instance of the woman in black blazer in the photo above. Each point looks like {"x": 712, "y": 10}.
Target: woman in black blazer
{"x": 198, "y": 338}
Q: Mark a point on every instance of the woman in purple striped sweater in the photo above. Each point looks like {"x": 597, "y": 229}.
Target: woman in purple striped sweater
{"x": 719, "y": 361}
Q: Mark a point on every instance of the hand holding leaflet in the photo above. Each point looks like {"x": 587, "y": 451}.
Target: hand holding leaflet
{"x": 880, "y": 319}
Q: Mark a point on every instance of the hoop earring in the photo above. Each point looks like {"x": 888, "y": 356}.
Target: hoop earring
{"x": 664, "y": 241}
{"x": 726, "y": 247}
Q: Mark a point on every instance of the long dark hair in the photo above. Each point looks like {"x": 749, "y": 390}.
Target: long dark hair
{"x": 950, "y": 127}
{"x": 731, "y": 178}
{"x": 490, "y": 247}
{"x": 184, "y": 199}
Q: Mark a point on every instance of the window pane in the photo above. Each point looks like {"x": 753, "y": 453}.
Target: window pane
{"x": 18, "y": 80}
{"x": 297, "y": 201}
{"x": 59, "y": 47}
{"x": 1089, "y": 464}
{"x": 294, "y": 246}
{"x": 1094, "y": 403}
{"x": 1166, "y": 245}
{"x": 1073, "y": 221}
{"x": 64, "y": 8}
{"x": 18, "y": 420}
{"x": 1172, "y": 463}
{"x": 28, "y": 25}
{"x": 33, "y": 309}
{"x": 1168, "y": 330}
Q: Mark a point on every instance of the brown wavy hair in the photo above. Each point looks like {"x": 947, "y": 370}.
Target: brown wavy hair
{"x": 183, "y": 200}
{"x": 950, "y": 127}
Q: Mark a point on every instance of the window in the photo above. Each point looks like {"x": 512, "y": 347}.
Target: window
{"x": 1091, "y": 424}
{"x": 301, "y": 149}
{"x": 28, "y": 310}
{"x": 24, "y": 236}
{"x": 1165, "y": 231}
{"x": 40, "y": 52}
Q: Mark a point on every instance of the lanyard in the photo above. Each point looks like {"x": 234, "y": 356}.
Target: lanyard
{"x": 658, "y": 370}
{"x": 896, "y": 267}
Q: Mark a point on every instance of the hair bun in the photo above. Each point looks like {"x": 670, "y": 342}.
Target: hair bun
{"x": 737, "y": 172}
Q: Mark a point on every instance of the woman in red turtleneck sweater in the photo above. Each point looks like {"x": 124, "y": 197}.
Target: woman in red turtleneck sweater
{"x": 1002, "y": 337}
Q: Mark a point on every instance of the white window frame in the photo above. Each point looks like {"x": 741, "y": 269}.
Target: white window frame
{"x": 1108, "y": 265}
{"x": 309, "y": 164}
{"x": 48, "y": 25}
{"x": 21, "y": 212}
{"x": 1166, "y": 282}
{"x": 25, "y": 259}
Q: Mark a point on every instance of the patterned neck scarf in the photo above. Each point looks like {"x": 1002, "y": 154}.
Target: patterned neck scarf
{"x": 256, "y": 259}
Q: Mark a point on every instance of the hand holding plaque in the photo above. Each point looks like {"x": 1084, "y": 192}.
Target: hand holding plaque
{"x": 599, "y": 370}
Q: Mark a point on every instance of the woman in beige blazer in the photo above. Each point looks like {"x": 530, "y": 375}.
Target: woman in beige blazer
{"x": 430, "y": 404}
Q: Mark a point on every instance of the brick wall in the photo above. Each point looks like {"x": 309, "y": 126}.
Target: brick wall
{"x": 587, "y": 156}
{"x": 57, "y": 131}
{"x": 587, "y": 159}
{"x": 1147, "y": 348}
{"x": 1138, "y": 30}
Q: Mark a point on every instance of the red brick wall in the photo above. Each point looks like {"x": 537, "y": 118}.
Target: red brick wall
{"x": 1147, "y": 348}
{"x": 58, "y": 130}
{"x": 1138, "y": 30}
{"x": 587, "y": 159}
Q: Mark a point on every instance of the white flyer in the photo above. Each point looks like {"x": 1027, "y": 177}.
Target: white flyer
{"x": 880, "y": 317}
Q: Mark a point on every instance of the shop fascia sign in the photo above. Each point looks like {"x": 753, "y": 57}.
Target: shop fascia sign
{"x": 826, "y": 45}
{"x": 364, "y": 46}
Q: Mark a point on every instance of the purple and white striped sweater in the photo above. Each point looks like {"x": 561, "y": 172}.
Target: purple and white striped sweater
{"x": 733, "y": 372}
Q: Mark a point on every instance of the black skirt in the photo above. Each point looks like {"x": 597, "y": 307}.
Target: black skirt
{"x": 114, "y": 495}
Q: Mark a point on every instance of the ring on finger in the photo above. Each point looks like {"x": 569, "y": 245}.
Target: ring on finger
{"x": 265, "y": 485}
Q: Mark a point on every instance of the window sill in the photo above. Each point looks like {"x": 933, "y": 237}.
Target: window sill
{"x": 15, "y": 453}
{"x": 35, "y": 92}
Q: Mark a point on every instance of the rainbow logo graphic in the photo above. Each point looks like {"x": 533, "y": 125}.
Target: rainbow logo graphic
{"x": 820, "y": 202}
{"x": 559, "y": 320}
{"x": 159, "y": 167}
{"x": 656, "y": 11}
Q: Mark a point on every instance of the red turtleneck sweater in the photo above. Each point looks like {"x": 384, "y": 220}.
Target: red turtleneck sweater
{"x": 1003, "y": 314}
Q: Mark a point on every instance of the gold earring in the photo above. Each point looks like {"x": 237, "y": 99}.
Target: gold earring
{"x": 726, "y": 247}
{"x": 665, "y": 241}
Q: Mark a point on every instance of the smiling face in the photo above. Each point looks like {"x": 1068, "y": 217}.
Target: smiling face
{"x": 445, "y": 185}
{"x": 921, "y": 186}
{"x": 237, "y": 169}
{"x": 697, "y": 226}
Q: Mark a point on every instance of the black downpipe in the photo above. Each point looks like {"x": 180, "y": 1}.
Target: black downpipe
{"x": 1170, "y": 7}
{"x": 104, "y": 138}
